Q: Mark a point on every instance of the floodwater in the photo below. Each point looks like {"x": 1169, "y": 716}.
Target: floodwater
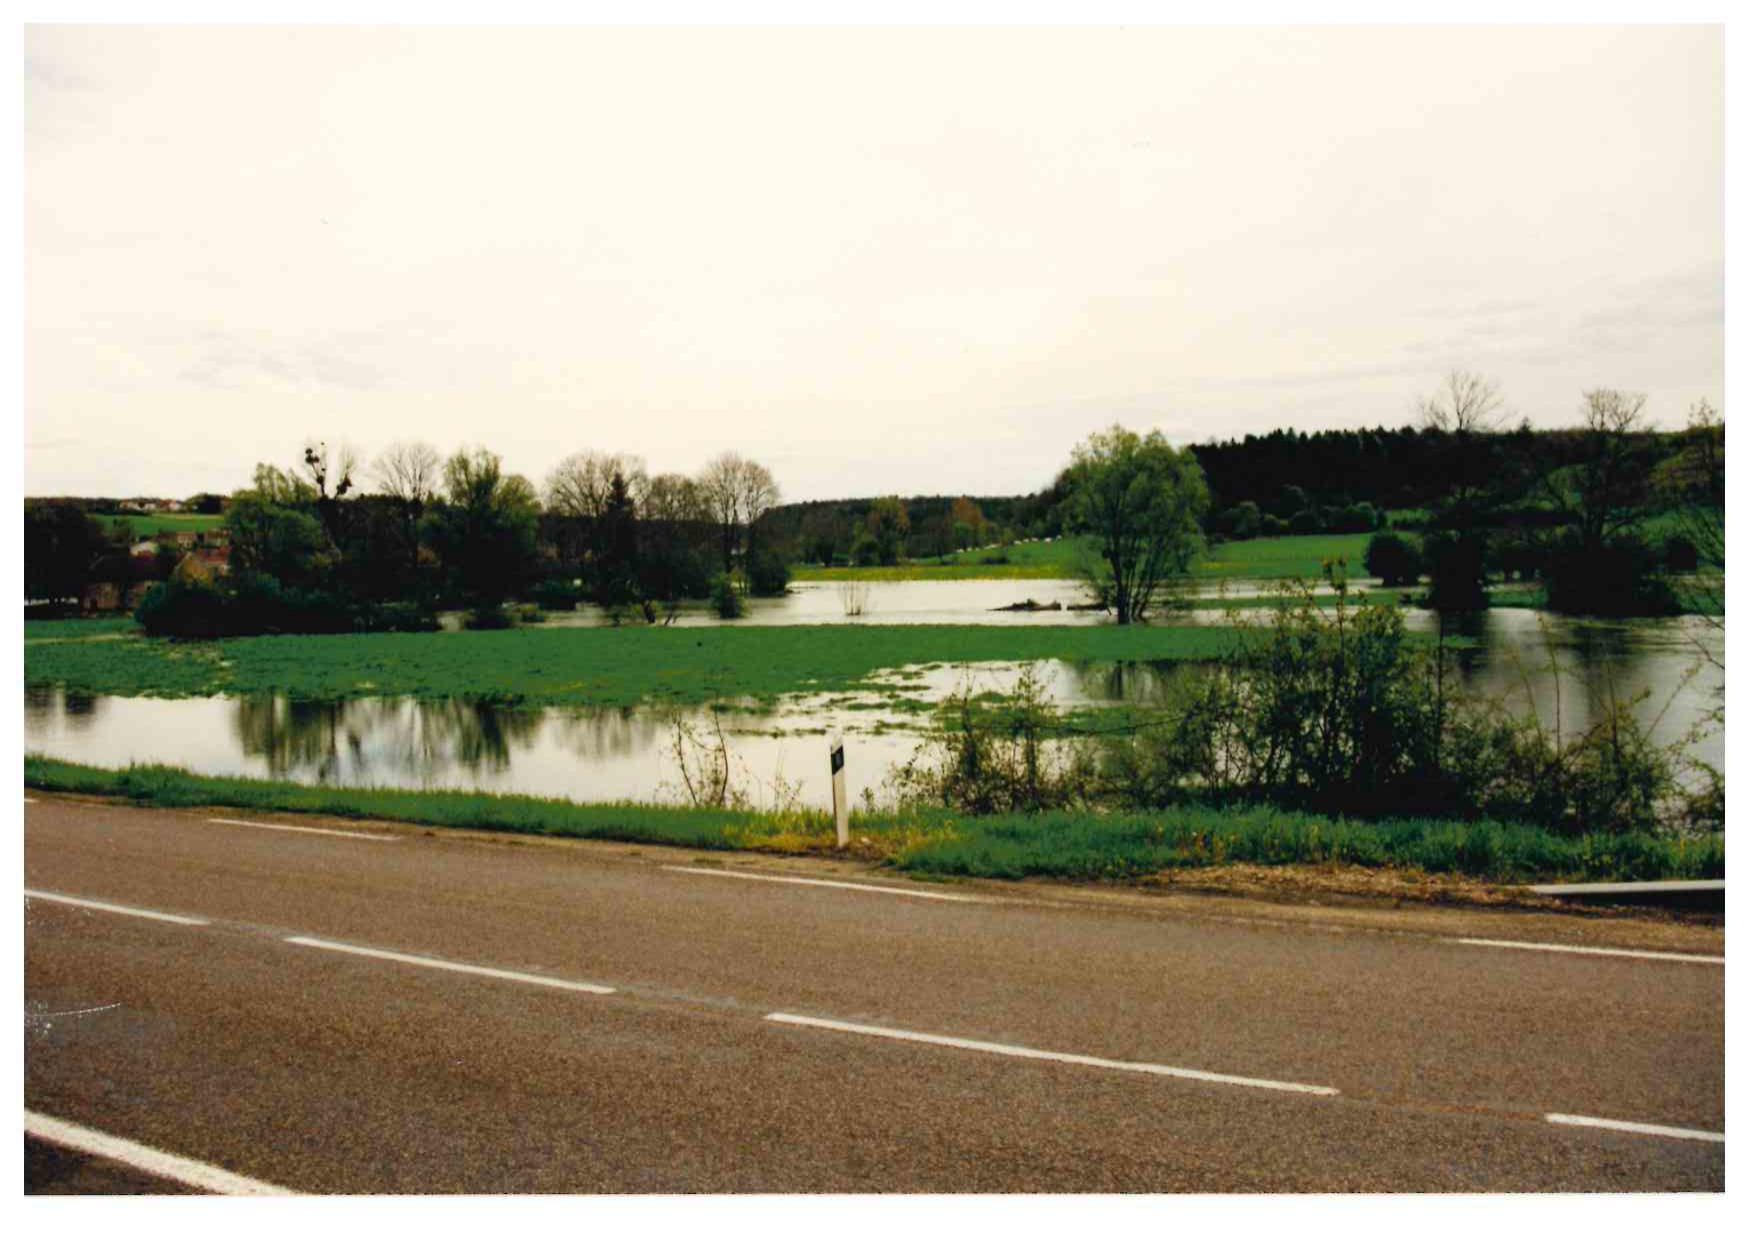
{"x": 1052, "y": 601}
{"x": 779, "y": 753}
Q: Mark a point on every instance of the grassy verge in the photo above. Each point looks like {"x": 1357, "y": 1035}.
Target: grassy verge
{"x": 1083, "y": 845}
{"x": 1072, "y": 845}
{"x": 601, "y": 667}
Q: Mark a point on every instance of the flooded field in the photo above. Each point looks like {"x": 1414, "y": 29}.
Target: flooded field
{"x": 635, "y": 753}
{"x": 929, "y": 602}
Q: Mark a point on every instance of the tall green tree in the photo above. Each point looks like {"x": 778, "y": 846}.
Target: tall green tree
{"x": 1143, "y": 502}
{"x": 485, "y": 529}
{"x": 62, "y": 545}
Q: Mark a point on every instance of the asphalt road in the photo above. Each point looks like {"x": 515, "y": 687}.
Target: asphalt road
{"x": 1374, "y": 1053}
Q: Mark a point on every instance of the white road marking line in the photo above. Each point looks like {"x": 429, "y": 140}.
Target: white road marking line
{"x": 1026, "y": 1052}
{"x": 123, "y": 909}
{"x": 144, "y": 1158}
{"x": 1591, "y": 951}
{"x": 431, "y": 962}
{"x": 1649, "y": 1130}
{"x": 826, "y": 882}
{"x": 275, "y": 826}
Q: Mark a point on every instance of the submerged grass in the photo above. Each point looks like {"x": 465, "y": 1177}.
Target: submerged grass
{"x": 1065, "y": 844}
{"x": 605, "y": 666}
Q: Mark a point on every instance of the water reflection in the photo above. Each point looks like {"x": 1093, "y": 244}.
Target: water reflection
{"x": 1570, "y": 672}
{"x": 327, "y": 741}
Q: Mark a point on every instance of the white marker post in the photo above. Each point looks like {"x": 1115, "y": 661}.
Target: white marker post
{"x": 840, "y": 807}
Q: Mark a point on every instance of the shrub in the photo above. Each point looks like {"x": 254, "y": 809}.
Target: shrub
{"x": 183, "y": 608}
{"x": 1456, "y": 564}
{"x": 725, "y": 598}
{"x": 1679, "y": 555}
{"x": 1620, "y": 578}
{"x": 995, "y": 756}
{"x": 489, "y": 617}
{"x": 865, "y": 553}
{"x": 1305, "y": 521}
{"x": 1359, "y": 518}
{"x": 1272, "y": 526}
{"x": 1337, "y": 711}
{"x": 557, "y": 594}
{"x": 1393, "y": 558}
{"x": 767, "y": 574}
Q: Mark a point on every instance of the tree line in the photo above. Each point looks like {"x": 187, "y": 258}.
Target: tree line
{"x": 330, "y": 545}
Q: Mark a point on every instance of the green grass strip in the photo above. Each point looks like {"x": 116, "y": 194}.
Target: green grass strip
{"x": 1078, "y": 845}
{"x": 174, "y": 787}
{"x": 1082, "y": 845}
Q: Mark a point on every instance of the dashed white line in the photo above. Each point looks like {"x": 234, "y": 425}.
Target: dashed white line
{"x": 125, "y": 910}
{"x": 1027, "y": 1052}
{"x": 277, "y": 826}
{"x": 1592, "y": 951}
{"x": 1649, "y": 1130}
{"x": 431, "y": 962}
{"x": 145, "y": 1158}
{"x": 826, "y": 882}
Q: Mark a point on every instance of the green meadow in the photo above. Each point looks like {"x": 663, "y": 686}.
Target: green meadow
{"x": 592, "y": 666}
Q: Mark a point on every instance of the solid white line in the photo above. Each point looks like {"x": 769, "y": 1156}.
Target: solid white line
{"x": 1591, "y": 951}
{"x": 430, "y": 962}
{"x": 1026, "y": 1052}
{"x": 826, "y": 882}
{"x": 144, "y": 1158}
{"x": 275, "y": 826}
{"x": 1649, "y": 1130}
{"x": 123, "y": 909}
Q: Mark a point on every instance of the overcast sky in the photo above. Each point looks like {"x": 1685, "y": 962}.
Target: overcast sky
{"x": 922, "y": 261}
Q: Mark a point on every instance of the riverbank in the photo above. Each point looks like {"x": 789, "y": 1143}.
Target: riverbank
{"x": 1073, "y": 845}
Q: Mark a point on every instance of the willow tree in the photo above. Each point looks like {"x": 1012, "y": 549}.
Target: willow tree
{"x": 1142, "y": 501}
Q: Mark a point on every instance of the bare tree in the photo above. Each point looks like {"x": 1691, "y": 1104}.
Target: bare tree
{"x": 736, "y": 492}
{"x": 580, "y": 485}
{"x": 1467, "y": 403}
{"x": 320, "y": 469}
{"x": 1609, "y": 486}
{"x": 673, "y": 497}
{"x": 409, "y": 472}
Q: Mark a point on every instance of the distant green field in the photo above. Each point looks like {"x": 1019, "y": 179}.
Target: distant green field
{"x": 1299, "y": 556}
{"x": 144, "y": 525}
{"x": 65, "y": 630}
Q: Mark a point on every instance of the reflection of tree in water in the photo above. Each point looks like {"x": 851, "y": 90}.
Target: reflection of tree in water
{"x": 291, "y": 735}
{"x": 1146, "y": 683}
{"x": 40, "y": 701}
{"x": 474, "y": 735}
{"x": 1571, "y": 672}
{"x": 82, "y": 710}
{"x": 377, "y": 736}
{"x": 77, "y": 711}
{"x": 609, "y": 732}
